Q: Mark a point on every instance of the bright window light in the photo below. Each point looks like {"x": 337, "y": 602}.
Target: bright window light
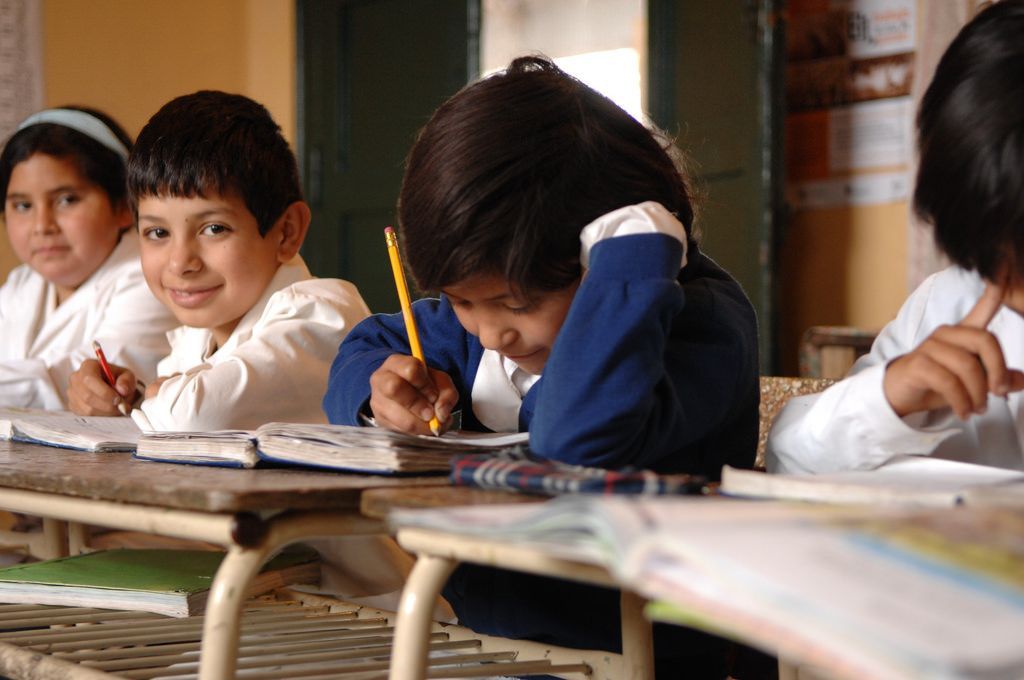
{"x": 614, "y": 73}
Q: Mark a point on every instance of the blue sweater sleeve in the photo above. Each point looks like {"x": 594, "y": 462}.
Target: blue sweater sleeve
{"x": 647, "y": 370}
{"x": 446, "y": 346}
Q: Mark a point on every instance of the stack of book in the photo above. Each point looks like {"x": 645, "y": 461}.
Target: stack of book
{"x": 170, "y": 582}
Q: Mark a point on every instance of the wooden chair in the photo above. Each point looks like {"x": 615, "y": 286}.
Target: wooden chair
{"x": 775, "y": 392}
{"x": 829, "y": 351}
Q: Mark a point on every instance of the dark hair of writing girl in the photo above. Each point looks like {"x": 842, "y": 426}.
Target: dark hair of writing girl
{"x": 509, "y": 170}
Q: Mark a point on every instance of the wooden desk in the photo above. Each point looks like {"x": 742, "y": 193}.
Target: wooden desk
{"x": 377, "y": 503}
{"x": 252, "y": 513}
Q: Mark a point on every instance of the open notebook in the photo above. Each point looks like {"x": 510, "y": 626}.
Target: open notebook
{"x": 338, "y": 447}
{"x": 67, "y": 430}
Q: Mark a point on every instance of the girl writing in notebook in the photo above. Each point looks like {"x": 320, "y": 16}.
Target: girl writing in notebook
{"x": 66, "y": 213}
{"x": 944, "y": 378}
{"x": 574, "y": 303}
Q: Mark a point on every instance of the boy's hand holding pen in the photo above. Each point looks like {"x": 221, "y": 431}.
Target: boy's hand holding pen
{"x": 99, "y": 388}
{"x": 108, "y": 375}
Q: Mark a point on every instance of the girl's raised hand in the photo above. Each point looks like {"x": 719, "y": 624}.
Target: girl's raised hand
{"x": 956, "y": 366}
{"x": 89, "y": 394}
{"x": 405, "y": 395}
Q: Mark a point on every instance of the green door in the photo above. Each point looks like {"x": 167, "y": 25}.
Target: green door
{"x": 370, "y": 74}
{"x": 715, "y": 85}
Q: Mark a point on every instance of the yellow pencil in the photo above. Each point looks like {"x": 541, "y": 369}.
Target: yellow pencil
{"x": 391, "y": 238}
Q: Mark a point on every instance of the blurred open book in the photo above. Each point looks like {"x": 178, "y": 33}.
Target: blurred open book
{"x": 863, "y": 590}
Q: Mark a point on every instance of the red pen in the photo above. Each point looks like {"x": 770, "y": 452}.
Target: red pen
{"x": 102, "y": 358}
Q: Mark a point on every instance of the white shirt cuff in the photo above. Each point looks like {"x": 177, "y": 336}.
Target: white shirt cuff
{"x": 649, "y": 217}
{"x": 897, "y": 435}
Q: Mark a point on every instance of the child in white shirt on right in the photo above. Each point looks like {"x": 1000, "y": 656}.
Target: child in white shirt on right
{"x": 944, "y": 379}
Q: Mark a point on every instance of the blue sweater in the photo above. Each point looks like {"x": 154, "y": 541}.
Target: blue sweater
{"x": 653, "y": 367}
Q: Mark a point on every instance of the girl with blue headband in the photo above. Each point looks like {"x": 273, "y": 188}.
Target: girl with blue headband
{"x": 67, "y": 216}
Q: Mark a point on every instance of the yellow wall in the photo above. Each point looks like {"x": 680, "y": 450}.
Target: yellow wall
{"x": 129, "y": 57}
{"x": 840, "y": 267}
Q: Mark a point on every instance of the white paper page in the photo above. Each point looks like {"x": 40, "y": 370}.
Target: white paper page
{"x": 486, "y": 439}
{"x": 909, "y": 480}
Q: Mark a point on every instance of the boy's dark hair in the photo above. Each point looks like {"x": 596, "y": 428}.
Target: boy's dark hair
{"x": 212, "y": 141}
{"x": 509, "y": 170}
{"x": 97, "y": 163}
{"x": 970, "y": 180}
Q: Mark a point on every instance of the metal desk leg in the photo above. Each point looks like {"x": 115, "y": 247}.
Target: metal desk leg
{"x": 412, "y": 627}
{"x": 79, "y": 536}
{"x": 224, "y": 609}
{"x": 788, "y": 670}
{"x": 55, "y": 539}
{"x": 219, "y": 652}
{"x": 637, "y": 638}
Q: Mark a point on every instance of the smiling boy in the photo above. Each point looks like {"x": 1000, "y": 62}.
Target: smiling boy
{"x": 221, "y": 220}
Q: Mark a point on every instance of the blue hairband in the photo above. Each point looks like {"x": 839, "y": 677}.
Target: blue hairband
{"x": 86, "y": 123}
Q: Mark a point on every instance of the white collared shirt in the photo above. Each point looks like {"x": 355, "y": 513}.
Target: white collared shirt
{"x": 852, "y": 426}
{"x": 498, "y": 391}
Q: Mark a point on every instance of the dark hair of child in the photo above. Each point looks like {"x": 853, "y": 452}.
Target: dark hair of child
{"x": 970, "y": 181}
{"x": 509, "y": 170}
{"x": 97, "y": 163}
{"x": 212, "y": 141}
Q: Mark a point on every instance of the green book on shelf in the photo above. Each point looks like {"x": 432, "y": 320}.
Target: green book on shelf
{"x": 170, "y": 582}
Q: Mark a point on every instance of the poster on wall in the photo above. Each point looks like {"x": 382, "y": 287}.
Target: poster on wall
{"x": 849, "y": 113}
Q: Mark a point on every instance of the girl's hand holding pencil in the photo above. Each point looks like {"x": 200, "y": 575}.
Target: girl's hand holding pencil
{"x": 405, "y": 395}
{"x": 405, "y": 392}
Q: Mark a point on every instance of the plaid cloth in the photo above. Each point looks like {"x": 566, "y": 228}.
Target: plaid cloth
{"x": 521, "y": 472}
